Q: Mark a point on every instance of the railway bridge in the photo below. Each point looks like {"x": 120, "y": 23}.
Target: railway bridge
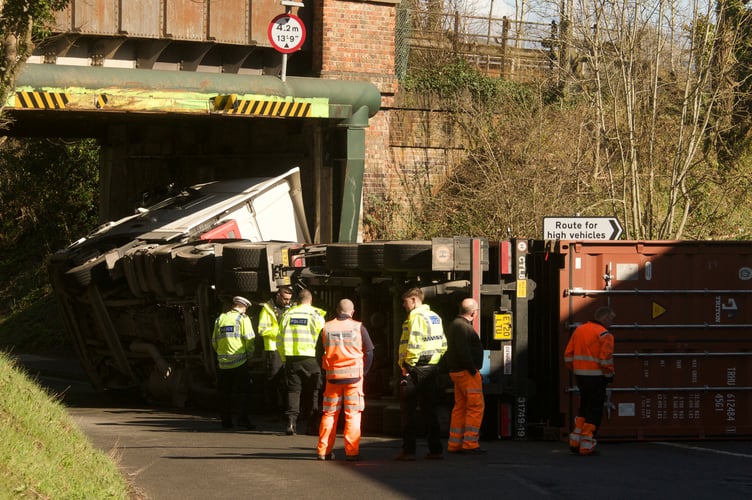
{"x": 186, "y": 91}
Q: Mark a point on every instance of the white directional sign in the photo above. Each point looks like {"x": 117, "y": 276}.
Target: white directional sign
{"x": 287, "y": 33}
{"x": 581, "y": 228}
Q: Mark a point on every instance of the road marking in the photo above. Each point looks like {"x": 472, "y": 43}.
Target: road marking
{"x": 710, "y": 450}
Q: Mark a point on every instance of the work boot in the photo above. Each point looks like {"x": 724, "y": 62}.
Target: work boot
{"x": 574, "y": 436}
{"x": 587, "y": 441}
{"x": 291, "y": 426}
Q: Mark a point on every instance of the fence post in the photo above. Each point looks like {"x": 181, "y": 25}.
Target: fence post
{"x": 455, "y": 39}
{"x": 504, "y": 40}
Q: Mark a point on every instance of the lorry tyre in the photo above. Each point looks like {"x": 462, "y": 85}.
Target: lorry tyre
{"x": 131, "y": 276}
{"x": 371, "y": 256}
{"x": 195, "y": 262}
{"x": 242, "y": 255}
{"x": 81, "y": 276}
{"x": 240, "y": 281}
{"x": 408, "y": 256}
{"x": 145, "y": 279}
{"x": 159, "y": 267}
{"x": 342, "y": 256}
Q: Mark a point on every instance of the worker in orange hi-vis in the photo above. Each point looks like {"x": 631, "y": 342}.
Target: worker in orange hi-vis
{"x": 589, "y": 355}
{"x": 464, "y": 358}
{"x": 347, "y": 356}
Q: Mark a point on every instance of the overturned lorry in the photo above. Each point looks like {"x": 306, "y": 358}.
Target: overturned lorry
{"x": 139, "y": 296}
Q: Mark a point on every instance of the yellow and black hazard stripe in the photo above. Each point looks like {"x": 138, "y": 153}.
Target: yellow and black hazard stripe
{"x": 225, "y": 102}
{"x": 42, "y": 100}
{"x": 100, "y": 101}
{"x": 274, "y": 108}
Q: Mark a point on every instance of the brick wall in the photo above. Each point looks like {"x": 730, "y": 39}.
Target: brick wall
{"x": 357, "y": 43}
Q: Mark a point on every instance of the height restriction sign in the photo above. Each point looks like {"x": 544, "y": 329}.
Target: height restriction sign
{"x": 287, "y": 33}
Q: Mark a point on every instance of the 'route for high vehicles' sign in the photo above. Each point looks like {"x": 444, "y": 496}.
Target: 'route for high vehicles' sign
{"x": 581, "y": 228}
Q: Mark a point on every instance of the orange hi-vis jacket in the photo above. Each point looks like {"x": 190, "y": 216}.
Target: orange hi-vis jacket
{"x": 590, "y": 350}
{"x": 343, "y": 349}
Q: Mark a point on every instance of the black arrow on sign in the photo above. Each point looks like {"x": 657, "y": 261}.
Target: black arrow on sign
{"x": 617, "y": 229}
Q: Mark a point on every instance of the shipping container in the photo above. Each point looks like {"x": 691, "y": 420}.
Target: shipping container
{"x": 683, "y": 334}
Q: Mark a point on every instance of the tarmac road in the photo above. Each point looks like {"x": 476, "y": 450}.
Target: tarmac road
{"x": 168, "y": 454}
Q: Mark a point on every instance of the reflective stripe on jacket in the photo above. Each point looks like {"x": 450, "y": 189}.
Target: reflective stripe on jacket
{"x": 232, "y": 339}
{"x": 590, "y": 350}
{"x": 299, "y": 329}
{"x": 423, "y": 341}
{"x": 343, "y": 349}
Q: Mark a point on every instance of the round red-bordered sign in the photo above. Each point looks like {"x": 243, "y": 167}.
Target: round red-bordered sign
{"x": 286, "y": 33}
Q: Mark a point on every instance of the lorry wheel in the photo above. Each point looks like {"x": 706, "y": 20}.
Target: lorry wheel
{"x": 147, "y": 281}
{"x": 81, "y": 276}
{"x": 159, "y": 267}
{"x": 408, "y": 256}
{"x": 242, "y": 255}
{"x": 131, "y": 276}
{"x": 342, "y": 256}
{"x": 371, "y": 256}
{"x": 240, "y": 281}
{"x": 195, "y": 262}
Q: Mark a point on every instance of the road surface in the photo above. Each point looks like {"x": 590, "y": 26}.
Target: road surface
{"x": 169, "y": 454}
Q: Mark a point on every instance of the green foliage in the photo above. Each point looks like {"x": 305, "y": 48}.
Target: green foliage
{"x": 458, "y": 77}
{"x": 48, "y": 198}
{"x": 23, "y": 23}
{"x": 48, "y": 193}
{"x": 16, "y": 13}
{"x": 43, "y": 453}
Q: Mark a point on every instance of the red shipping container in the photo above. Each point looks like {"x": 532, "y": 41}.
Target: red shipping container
{"x": 683, "y": 335}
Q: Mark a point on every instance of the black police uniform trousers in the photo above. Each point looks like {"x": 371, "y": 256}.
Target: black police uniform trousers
{"x": 275, "y": 386}
{"x": 234, "y": 381}
{"x": 303, "y": 375}
{"x": 421, "y": 386}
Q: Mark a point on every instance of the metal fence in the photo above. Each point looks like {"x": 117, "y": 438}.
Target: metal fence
{"x": 517, "y": 50}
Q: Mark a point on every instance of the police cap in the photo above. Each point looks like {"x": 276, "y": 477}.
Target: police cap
{"x": 242, "y": 301}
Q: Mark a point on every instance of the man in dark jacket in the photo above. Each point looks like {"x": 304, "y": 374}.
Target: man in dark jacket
{"x": 464, "y": 359}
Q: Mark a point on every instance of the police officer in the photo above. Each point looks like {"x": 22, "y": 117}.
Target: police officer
{"x": 268, "y": 327}
{"x": 299, "y": 330}
{"x": 420, "y": 349}
{"x": 232, "y": 340}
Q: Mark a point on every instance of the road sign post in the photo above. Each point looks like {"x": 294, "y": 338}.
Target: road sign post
{"x": 581, "y": 228}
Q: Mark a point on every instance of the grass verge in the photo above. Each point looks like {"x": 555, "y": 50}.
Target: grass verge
{"x": 43, "y": 453}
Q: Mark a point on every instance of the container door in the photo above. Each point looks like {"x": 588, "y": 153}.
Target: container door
{"x": 683, "y": 353}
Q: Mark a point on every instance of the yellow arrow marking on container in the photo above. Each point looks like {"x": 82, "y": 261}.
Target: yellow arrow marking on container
{"x": 658, "y": 310}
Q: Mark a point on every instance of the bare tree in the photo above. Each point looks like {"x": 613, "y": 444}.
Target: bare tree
{"x": 654, "y": 82}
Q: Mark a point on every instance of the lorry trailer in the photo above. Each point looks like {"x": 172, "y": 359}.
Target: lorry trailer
{"x": 138, "y": 298}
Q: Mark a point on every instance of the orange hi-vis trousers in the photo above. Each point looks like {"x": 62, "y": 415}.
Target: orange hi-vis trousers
{"x": 576, "y": 434}
{"x": 587, "y": 440}
{"x": 336, "y": 396}
{"x": 467, "y": 414}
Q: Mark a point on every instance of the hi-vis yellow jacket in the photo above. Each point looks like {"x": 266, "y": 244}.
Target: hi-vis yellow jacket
{"x": 232, "y": 339}
{"x": 299, "y": 329}
{"x": 423, "y": 341}
{"x": 268, "y": 324}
